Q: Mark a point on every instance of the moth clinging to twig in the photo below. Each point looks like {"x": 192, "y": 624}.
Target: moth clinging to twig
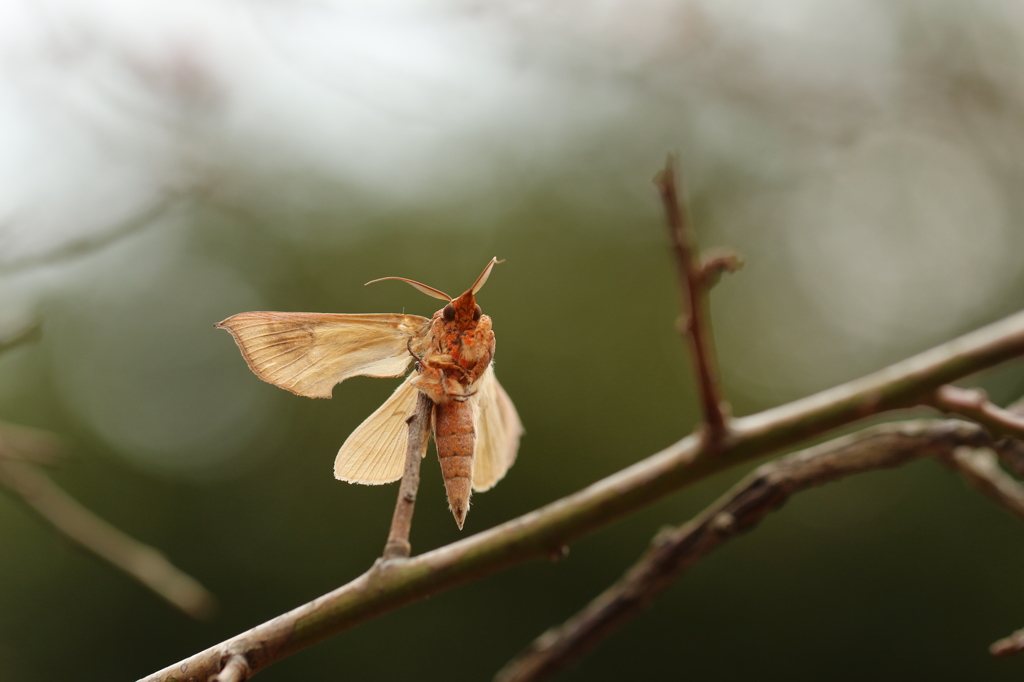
{"x": 476, "y": 428}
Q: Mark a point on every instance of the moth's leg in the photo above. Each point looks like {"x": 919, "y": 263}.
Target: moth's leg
{"x": 445, "y": 362}
{"x": 433, "y": 381}
{"x": 408, "y": 346}
{"x": 438, "y": 362}
{"x": 437, "y": 378}
{"x": 430, "y": 383}
{"x": 463, "y": 395}
{"x": 457, "y": 397}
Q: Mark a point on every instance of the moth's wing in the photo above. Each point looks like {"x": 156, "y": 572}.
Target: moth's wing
{"x": 308, "y": 353}
{"x": 375, "y": 452}
{"x": 497, "y": 429}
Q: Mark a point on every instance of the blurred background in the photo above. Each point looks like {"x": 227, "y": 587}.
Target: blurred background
{"x": 165, "y": 165}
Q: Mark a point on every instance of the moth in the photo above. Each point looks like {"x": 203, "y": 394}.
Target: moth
{"x": 475, "y": 425}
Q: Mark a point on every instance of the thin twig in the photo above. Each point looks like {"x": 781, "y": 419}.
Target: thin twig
{"x": 94, "y": 242}
{"x": 21, "y": 443}
{"x": 716, "y": 262}
{"x": 696, "y": 321}
{"x": 1011, "y": 450}
{"x": 27, "y": 334}
{"x": 974, "y": 404}
{"x": 1011, "y": 454}
{"x": 236, "y": 669}
{"x": 980, "y": 468}
{"x": 1008, "y": 646}
{"x": 141, "y": 562}
{"x": 538, "y": 534}
{"x": 398, "y": 545}
{"x": 675, "y": 550}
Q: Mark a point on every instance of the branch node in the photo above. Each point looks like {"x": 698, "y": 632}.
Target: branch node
{"x": 664, "y": 535}
{"x": 558, "y": 553}
{"x": 974, "y": 404}
{"x": 724, "y": 523}
{"x": 397, "y": 549}
{"x": 234, "y": 668}
{"x": 716, "y": 262}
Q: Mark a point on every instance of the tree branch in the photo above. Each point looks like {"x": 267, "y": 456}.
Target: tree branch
{"x": 675, "y": 550}
{"x": 21, "y": 443}
{"x": 974, "y": 404}
{"x": 398, "y": 546}
{"x": 694, "y": 280}
{"x": 390, "y": 585}
{"x": 980, "y": 468}
{"x": 140, "y": 561}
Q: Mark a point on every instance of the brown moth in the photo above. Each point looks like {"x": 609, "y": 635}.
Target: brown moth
{"x": 476, "y": 427}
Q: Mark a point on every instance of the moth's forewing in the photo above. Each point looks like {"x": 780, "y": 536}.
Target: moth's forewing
{"x": 308, "y": 353}
{"x": 375, "y": 452}
{"x": 498, "y": 430}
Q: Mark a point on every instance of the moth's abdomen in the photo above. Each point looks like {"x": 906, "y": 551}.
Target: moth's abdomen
{"x": 456, "y": 441}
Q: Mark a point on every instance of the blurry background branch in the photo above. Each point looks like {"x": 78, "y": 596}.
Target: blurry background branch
{"x": 20, "y": 443}
{"x": 673, "y": 551}
{"x": 23, "y": 448}
{"x": 24, "y": 334}
{"x": 1008, "y": 646}
{"x": 980, "y": 468}
{"x": 975, "y": 405}
{"x": 76, "y": 248}
{"x": 75, "y": 522}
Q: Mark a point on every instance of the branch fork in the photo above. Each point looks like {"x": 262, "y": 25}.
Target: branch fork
{"x": 974, "y": 404}
{"x": 673, "y": 550}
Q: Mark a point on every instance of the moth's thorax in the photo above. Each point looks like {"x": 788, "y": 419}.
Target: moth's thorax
{"x": 462, "y": 346}
{"x": 470, "y": 348}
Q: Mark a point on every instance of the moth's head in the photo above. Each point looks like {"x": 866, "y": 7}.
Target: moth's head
{"x": 463, "y": 309}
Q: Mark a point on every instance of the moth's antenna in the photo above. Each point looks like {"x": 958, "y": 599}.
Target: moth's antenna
{"x": 479, "y": 283}
{"x": 429, "y": 291}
